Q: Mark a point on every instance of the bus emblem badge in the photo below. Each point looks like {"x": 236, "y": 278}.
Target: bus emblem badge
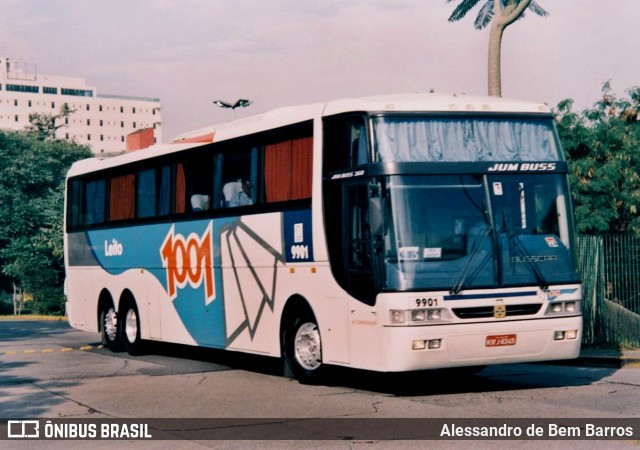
{"x": 500, "y": 311}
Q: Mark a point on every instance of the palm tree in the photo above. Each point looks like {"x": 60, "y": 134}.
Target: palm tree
{"x": 500, "y": 14}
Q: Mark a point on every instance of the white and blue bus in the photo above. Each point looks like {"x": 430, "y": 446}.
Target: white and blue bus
{"x": 390, "y": 234}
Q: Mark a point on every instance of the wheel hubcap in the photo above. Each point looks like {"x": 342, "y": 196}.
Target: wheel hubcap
{"x": 131, "y": 326}
{"x": 110, "y": 324}
{"x": 308, "y": 350}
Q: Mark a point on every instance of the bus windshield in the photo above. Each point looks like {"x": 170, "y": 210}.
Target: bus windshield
{"x": 400, "y": 138}
{"x": 461, "y": 231}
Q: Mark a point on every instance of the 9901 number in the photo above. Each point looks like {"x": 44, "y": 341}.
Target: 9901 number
{"x": 423, "y": 302}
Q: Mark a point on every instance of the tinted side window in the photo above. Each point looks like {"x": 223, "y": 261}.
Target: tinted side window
{"x": 146, "y": 193}
{"x": 74, "y": 202}
{"x": 94, "y": 203}
{"x": 239, "y": 177}
{"x": 346, "y": 143}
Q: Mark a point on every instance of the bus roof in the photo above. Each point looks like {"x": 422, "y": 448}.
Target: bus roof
{"x": 427, "y": 102}
{"x": 418, "y": 102}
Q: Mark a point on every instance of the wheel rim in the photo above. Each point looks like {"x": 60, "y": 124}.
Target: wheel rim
{"x": 111, "y": 324}
{"x": 307, "y": 347}
{"x": 131, "y": 326}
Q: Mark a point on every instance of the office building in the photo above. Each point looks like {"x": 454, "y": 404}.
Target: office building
{"x": 101, "y": 121}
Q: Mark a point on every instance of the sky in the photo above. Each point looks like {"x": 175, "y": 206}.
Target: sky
{"x": 279, "y": 53}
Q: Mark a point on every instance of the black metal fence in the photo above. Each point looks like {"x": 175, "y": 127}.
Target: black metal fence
{"x": 610, "y": 270}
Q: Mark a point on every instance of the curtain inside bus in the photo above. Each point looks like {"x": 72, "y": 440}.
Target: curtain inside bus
{"x": 180, "y": 202}
{"x": 287, "y": 170}
{"x": 122, "y": 197}
{"x": 426, "y": 139}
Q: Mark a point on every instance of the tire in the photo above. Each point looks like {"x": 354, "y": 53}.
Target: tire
{"x": 130, "y": 329}
{"x": 110, "y": 329}
{"x": 303, "y": 350}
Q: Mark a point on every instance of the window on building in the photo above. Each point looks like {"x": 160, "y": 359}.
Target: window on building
{"x": 88, "y": 107}
{"x": 101, "y": 122}
{"x": 23, "y": 88}
{"x": 77, "y": 92}
{"x": 122, "y": 109}
{"x": 49, "y": 90}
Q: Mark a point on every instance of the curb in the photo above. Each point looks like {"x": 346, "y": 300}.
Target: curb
{"x": 611, "y": 360}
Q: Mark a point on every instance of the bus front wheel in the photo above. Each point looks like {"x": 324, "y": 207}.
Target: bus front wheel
{"x": 109, "y": 328}
{"x": 131, "y": 329}
{"x": 303, "y": 349}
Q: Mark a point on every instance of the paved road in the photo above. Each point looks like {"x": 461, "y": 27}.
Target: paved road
{"x": 48, "y": 370}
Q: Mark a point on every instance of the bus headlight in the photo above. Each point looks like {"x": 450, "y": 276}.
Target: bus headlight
{"x": 571, "y": 307}
{"x": 422, "y": 315}
{"x": 562, "y": 335}
{"x": 418, "y": 316}
{"x": 431, "y": 344}
{"x": 397, "y": 316}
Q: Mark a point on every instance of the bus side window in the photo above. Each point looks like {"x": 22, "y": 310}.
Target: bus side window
{"x": 239, "y": 177}
{"x": 94, "y": 202}
{"x": 153, "y": 192}
{"x": 164, "y": 191}
{"x": 193, "y": 184}
{"x": 346, "y": 143}
{"x": 146, "y": 193}
{"x": 288, "y": 167}
{"x": 180, "y": 190}
{"x": 122, "y": 200}
{"x": 74, "y": 210}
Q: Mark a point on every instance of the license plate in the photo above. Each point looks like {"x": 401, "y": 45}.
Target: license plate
{"x": 500, "y": 340}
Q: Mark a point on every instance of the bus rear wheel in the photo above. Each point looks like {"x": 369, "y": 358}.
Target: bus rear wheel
{"x": 109, "y": 328}
{"x": 303, "y": 349}
{"x": 131, "y": 329}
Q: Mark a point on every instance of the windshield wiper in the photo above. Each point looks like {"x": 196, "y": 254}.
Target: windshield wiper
{"x": 542, "y": 282}
{"x": 478, "y": 244}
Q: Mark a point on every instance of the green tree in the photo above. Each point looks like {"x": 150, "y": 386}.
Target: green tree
{"x": 602, "y": 144}
{"x": 32, "y": 173}
{"x": 44, "y": 126}
{"x": 500, "y": 14}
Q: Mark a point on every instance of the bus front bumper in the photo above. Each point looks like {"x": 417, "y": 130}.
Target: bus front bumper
{"x": 479, "y": 344}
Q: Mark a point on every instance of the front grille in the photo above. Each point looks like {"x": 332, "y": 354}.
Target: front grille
{"x": 483, "y": 312}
